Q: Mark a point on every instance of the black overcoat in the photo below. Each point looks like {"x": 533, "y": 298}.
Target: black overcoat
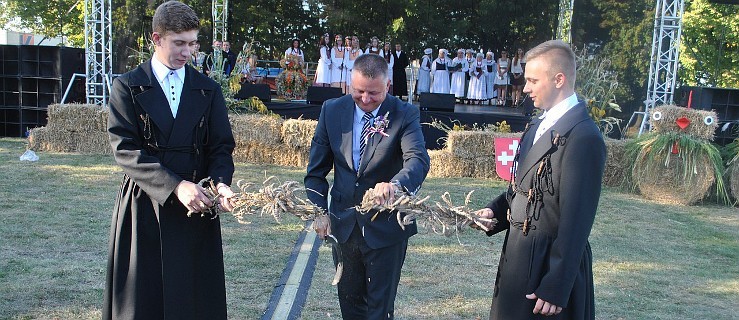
{"x": 553, "y": 259}
{"x": 400, "y": 82}
{"x": 162, "y": 264}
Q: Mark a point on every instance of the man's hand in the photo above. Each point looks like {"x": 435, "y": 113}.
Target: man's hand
{"x": 192, "y": 196}
{"x": 225, "y": 201}
{"x": 543, "y": 307}
{"x": 486, "y": 213}
{"x": 384, "y": 193}
{"x": 322, "y": 226}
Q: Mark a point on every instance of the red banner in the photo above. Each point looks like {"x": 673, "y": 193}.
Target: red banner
{"x": 505, "y": 152}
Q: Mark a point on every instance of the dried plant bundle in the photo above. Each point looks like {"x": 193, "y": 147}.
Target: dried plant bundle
{"x": 274, "y": 199}
{"x": 440, "y": 216}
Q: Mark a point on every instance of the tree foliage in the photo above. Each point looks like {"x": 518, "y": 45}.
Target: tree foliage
{"x": 709, "y": 48}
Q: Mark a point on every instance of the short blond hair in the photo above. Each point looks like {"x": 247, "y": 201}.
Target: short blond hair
{"x": 559, "y": 56}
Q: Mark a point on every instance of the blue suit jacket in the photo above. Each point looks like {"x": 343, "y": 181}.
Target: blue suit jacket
{"x": 400, "y": 156}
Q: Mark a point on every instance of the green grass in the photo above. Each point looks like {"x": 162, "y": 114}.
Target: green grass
{"x": 650, "y": 261}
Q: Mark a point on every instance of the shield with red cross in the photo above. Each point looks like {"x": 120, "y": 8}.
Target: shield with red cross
{"x": 505, "y": 152}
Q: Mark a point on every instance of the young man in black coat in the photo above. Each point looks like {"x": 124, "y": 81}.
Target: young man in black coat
{"x": 391, "y": 157}
{"x": 400, "y": 82}
{"x": 545, "y": 267}
{"x": 169, "y": 129}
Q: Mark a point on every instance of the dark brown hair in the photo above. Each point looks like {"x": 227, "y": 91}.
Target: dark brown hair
{"x": 174, "y": 16}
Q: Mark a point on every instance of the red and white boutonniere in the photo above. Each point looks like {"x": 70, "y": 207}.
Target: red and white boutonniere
{"x": 380, "y": 125}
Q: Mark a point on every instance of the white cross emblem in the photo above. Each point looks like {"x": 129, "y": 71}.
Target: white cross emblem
{"x": 504, "y": 157}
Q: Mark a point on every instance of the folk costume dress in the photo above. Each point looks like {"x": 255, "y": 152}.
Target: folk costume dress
{"x": 390, "y": 59}
{"x": 295, "y": 52}
{"x": 547, "y": 213}
{"x": 502, "y": 78}
{"x": 458, "y": 77}
{"x": 353, "y": 55}
{"x": 163, "y": 264}
{"x": 338, "y": 67}
{"x": 323, "y": 70}
{"x": 478, "y": 73}
{"x": 492, "y": 72}
{"x": 424, "y": 75}
{"x": 441, "y": 75}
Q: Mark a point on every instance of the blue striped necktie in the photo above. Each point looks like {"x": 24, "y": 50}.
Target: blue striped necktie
{"x": 367, "y": 118}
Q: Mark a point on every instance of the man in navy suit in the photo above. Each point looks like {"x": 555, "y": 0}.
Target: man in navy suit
{"x": 371, "y": 140}
{"x": 546, "y": 266}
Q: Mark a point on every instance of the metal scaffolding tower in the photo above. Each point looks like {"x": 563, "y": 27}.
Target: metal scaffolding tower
{"x": 220, "y": 20}
{"x": 98, "y": 57}
{"x": 668, "y": 17}
{"x": 564, "y": 22}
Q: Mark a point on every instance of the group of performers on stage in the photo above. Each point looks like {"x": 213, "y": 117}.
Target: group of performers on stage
{"x": 475, "y": 77}
{"x": 336, "y": 62}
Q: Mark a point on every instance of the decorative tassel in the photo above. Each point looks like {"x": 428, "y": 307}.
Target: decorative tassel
{"x": 675, "y": 149}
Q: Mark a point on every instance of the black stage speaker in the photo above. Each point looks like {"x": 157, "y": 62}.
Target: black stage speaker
{"x": 317, "y": 95}
{"x": 259, "y": 90}
{"x": 437, "y": 101}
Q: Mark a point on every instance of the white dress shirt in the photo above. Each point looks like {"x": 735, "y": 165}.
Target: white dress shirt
{"x": 171, "y": 82}
{"x": 551, "y": 116}
{"x": 357, "y": 133}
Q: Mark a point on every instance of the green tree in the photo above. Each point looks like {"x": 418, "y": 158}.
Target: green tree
{"x": 709, "y": 48}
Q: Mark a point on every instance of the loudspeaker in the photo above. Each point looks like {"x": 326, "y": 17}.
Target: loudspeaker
{"x": 259, "y": 90}
{"x": 437, "y": 101}
{"x": 317, "y": 95}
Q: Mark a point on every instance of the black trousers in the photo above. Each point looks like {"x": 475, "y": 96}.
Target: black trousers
{"x": 370, "y": 280}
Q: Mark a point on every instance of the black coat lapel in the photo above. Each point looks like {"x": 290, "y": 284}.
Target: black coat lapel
{"x": 574, "y": 116}
{"x": 196, "y": 97}
{"x": 151, "y": 98}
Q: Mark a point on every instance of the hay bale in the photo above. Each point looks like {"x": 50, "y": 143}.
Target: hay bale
{"x": 92, "y": 143}
{"x": 733, "y": 173}
{"x": 471, "y": 144}
{"x": 78, "y": 117}
{"x": 616, "y": 163}
{"x": 259, "y": 153}
{"x": 298, "y": 132}
{"x": 667, "y": 185}
{"x": 445, "y": 164}
{"x": 50, "y": 139}
{"x": 255, "y": 128}
{"x": 697, "y": 128}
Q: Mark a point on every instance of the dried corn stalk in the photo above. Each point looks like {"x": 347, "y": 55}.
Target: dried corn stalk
{"x": 274, "y": 200}
{"x": 441, "y": 216}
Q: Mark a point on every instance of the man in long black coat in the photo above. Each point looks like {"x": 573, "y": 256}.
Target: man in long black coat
{"x": 400, "y": 83}
{"x": 394, "y": 158}
{"x": 168, "y": 128}
{"x": 545, "y": 267}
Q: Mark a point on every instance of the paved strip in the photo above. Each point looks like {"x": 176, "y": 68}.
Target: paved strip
{"x": 291, "y": 290}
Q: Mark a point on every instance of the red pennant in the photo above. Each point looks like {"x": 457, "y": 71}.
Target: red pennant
{"x": 682, "y": 122}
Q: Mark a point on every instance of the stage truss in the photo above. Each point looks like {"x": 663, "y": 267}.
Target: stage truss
{"x": 564, "y": 21}
{"x": 98, "y": 57}
{"x": 220, "y": 19}
{"x": 668, "y": 16}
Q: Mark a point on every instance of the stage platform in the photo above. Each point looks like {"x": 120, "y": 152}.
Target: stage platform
{"x": 466, "y": 115}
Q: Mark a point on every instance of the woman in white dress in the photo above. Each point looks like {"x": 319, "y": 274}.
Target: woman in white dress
{"x": 439, "y": 68}
{"x": 491, "y": 69}
{"x": 502, "y": 81}
{"x": 478, "y": 71}
{"x": 353, "y": 54}
{"x": 424, "y": 75}
{"x": 458, "y": 75}
{"x": 295, "y": 50}
{"x": 338, "y": 69}
{"x": 323, "y": 70}
{"x": 390, "y": 59}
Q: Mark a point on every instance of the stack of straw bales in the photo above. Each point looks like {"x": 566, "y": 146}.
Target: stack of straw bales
{"x": 616, "y": 163}
{"x": 272, "y": 140}
{"x": 73, "y": 128}
{"x": 467, "y": 154}
{"x": 733, "y": 173}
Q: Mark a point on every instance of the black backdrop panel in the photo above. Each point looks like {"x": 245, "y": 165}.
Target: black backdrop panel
{"x": 259, "y": 90}
{"x": 317, "y": 95}
{"x": 437, "y": 101}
